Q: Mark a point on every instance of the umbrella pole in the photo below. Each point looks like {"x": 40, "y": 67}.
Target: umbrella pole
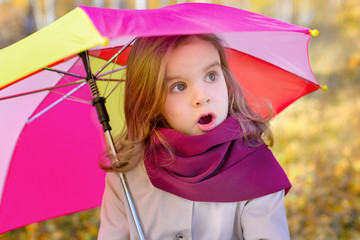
{"x": 99, "y": 104}
{"x": 125, "y": 188}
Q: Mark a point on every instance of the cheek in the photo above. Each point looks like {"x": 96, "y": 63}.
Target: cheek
{"x": 170, "y": 109}
{"x": 222, "y": 92}
{"x": 172, "y": 115}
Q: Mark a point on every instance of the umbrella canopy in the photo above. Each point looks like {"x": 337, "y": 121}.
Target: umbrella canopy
{"x": 51, "y": 141}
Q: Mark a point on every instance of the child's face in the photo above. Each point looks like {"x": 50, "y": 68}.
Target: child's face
{"x": 197, "y": 96}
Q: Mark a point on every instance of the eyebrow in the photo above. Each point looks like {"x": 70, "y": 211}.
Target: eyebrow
{"x": 216, "y": 63}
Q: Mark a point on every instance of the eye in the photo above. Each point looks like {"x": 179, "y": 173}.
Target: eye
{"x": 178, "y": 87}
{"x": 211, "y": 76}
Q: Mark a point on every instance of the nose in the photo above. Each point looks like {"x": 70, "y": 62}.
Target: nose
{"x": 200, "y": 96}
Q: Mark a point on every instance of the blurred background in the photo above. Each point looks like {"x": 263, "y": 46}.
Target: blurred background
{"x": 316, "y": 139}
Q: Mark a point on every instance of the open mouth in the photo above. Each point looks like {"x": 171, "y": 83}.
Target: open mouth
{"x": 207, "y": 122}
{"x": 205, "y": 119}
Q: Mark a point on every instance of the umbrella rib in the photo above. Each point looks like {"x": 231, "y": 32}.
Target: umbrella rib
{"x": 113, "y": 57}
{"x": 41, "y": 90}
{"x": 116, "y": 86}
{"x": 63, "y": 72}
{"x": 76, "y": 99}
{"x": 109, "y": 80}
{"x": 56, "y": 102}
{"x": 86, "y": 95}
{"x": 107, "y": 84}
{"x": 110, "y": 72}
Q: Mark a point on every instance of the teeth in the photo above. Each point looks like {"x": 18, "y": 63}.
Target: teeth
{"x": 206, "y": 119}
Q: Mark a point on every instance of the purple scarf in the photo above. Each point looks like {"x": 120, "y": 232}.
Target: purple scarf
{"x": 217, "y": 166}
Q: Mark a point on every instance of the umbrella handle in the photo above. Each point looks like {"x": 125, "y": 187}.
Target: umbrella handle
{"x": 126, "y": 189}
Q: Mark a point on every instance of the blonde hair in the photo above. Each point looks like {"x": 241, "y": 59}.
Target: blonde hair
{"x": 145, "y": 96}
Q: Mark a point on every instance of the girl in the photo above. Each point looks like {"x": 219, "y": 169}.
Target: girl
{"x": 193, "y": 152}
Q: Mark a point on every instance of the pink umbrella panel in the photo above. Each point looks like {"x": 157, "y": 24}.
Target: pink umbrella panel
{"x": 51, "y": 141}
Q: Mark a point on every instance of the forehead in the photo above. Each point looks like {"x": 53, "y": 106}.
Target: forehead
{"x": 192, "y": 53}
{"x": 193, "y": 42}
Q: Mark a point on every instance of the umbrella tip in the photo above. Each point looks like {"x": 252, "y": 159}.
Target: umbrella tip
{"x": 104, "y": 41}
{"x": 314, "y": 32}
{"x": 324, "y": 87}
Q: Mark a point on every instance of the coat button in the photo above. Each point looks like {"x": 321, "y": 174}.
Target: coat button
{"x": 179, "y": 236}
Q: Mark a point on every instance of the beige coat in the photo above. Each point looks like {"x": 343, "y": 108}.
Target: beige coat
{"x": 165, "y": 216}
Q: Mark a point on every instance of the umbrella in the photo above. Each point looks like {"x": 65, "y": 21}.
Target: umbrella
{"x": 56, "y": 83}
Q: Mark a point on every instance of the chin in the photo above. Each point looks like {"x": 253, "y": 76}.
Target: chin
{"x": 195, "y": 133}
